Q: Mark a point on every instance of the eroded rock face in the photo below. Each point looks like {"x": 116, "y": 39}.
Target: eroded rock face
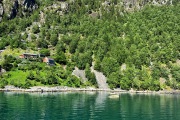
{"x": 129, "y": 4}
{"x": 136, "y": 4}
{"x": 30, "y": 4}
{"x": 14, "y": 10}
{"x": 1, "y": 10}
{"x": 10, "y": 8}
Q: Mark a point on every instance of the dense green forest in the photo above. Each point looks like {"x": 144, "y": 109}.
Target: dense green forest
{"x": 137, "y": 49}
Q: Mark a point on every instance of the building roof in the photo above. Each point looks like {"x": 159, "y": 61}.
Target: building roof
{"x": 30, "y": 54}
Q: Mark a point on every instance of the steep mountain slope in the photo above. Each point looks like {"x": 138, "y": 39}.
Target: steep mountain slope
{"x": 134, "y": 43}
{"x": 11, "y": 8}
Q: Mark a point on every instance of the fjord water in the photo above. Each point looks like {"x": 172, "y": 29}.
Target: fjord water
{"x": 88, "y": 106}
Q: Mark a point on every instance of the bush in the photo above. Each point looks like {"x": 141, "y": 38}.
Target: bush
{"x": 73, "y": 81}
{"x": 45, "y": 52}
{"x": 90, "y": 75}
{"x": 109, "y": 65}
{"x": 60, "y": 58}
{"x": 30, "y": 76}
{"x": 97, "y": 65}
{"x": 27, "y": 84}
{"x": 8, "y": 62}
{"x": 35, "y": 29}
{"x": 3, "y": 82}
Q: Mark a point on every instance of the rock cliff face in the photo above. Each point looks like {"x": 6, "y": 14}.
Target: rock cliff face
{"x": 1, "y": 10}
{"x": 11, "y": 8}
{"x": 129, "y": 4}
{"x": 137, "y": 4}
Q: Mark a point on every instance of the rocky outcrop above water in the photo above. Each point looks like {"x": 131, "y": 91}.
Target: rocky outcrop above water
{"x": 11, "y": 8}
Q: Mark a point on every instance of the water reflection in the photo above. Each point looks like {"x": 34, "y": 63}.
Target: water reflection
{"x": 88, "y": 106}
{"x": 150, "y": 106}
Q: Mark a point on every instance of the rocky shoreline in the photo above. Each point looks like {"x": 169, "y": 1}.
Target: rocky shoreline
{"x": 52, "y": 89}
{"x": 42, "y": 89}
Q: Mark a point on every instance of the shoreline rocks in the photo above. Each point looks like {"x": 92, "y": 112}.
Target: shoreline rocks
{"x": 42, "y": 89}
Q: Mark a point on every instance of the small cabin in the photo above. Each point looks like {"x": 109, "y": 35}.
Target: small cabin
{"x": 49, "y": 61}
{"x": 28, "y": 56}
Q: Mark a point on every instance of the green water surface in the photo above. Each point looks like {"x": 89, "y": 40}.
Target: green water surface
{"x": 88, "y": 106}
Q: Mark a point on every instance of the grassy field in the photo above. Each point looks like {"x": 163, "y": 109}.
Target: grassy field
{"x": 18, "y": 76}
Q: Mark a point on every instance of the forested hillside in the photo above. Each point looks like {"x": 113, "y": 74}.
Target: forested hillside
{"x": 133, "y": 47}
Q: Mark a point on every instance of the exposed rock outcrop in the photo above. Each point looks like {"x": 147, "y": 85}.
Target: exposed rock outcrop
{"x": 1, "y": 10}
{"x": 11, "y": 8}
{"x": 136, "y": 4}
{"x": 129, "y": 4}
{"x": 101, "y": 79}
{"x": 29, "y": 4}
{"x": 14, "y": 10}
{"x": 80, "y": 74}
